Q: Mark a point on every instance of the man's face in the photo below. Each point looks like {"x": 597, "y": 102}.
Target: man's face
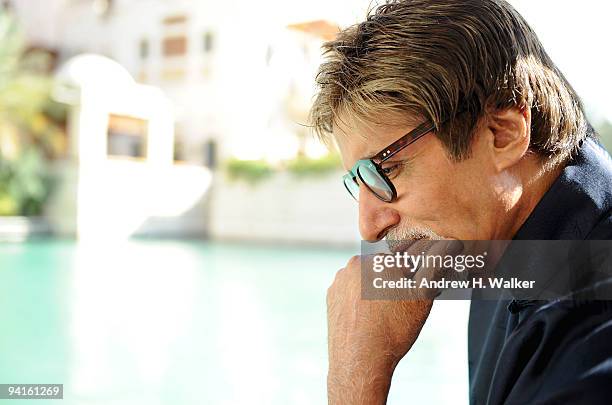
{"x": 436, "y": 197}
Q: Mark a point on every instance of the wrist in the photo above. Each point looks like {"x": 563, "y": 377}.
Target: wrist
{"x": 360, "y": 384}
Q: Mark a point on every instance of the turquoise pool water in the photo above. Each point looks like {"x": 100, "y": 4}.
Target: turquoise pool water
{"x": 176, "y": 322}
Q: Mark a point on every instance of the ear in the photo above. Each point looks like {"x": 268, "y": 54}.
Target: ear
{"x": 511, "y": 134}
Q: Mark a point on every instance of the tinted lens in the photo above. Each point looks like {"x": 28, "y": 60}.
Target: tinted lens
{"x": 352, "y": 187}
{"x": 375, "y": 182}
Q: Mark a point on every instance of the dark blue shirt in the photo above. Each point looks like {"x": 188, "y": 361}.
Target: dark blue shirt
{"x": 558, "y": 352}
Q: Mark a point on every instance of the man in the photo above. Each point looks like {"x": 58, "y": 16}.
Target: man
{"x": 498, "y": 148}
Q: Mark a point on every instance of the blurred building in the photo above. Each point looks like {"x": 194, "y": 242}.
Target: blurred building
{"x": 118, "y": 178}
{"x": 239, "y": 78}
{"x": 230, "y": 68}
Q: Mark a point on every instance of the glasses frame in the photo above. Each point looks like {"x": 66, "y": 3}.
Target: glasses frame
{"x": 381, "y": 157}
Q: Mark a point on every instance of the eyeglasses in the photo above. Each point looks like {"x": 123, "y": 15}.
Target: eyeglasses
{"x": 371, "y": 173}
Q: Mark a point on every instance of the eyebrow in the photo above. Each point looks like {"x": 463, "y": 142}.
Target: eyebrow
{"x": 372, "y": 155}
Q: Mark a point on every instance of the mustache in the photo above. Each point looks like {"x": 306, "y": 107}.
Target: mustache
{"x": 397, "y": 237}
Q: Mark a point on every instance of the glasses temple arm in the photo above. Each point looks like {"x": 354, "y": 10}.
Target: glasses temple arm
{"x": 404, "y": 141}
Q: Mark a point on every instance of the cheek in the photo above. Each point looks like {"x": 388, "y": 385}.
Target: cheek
{"x": 472, "y": 190}
{"x": 427, "y": 192}
{"x": 443, "y": 195}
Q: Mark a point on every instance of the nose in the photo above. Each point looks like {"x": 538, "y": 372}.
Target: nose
{"x": 375, "y": 216}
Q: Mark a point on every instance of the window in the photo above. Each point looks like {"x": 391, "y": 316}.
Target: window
{"x": 210, "y": 154}
{"x": 126, "y": 137}
{"x": 144, "y": 49}
{"x": 208, "y": 42}
{"x": 175, "y": 19}
{"x": 175, "y": 46}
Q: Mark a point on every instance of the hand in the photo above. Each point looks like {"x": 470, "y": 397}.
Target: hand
{"x": 366, "y": 339}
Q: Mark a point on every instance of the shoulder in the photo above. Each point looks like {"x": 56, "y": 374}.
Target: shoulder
{"x": 560, "y": 352}
{"x": 565, "y": 349}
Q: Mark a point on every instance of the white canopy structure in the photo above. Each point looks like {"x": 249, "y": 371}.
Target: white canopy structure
{"x": 119, "y": 178}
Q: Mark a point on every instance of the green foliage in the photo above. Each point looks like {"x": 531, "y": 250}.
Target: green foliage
{"x": 24, "y": 184}
{"x": 304, "y": 166}
{"x": 252, "y": 171}
{"x": 29, "y": 133}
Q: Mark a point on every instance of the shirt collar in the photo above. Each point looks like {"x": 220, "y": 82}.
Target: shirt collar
{"x": 576, "y": 201}
{"x": 573, "y": 206}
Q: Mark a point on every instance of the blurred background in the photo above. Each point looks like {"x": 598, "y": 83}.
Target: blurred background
{"x": 169, "y": 225}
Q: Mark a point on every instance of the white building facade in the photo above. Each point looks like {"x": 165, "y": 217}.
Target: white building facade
{"x": 238, "y": 78}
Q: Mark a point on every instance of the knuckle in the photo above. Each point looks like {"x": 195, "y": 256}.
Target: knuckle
{"x": 345, "y": 276}
{"x": 355, "y": 259}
